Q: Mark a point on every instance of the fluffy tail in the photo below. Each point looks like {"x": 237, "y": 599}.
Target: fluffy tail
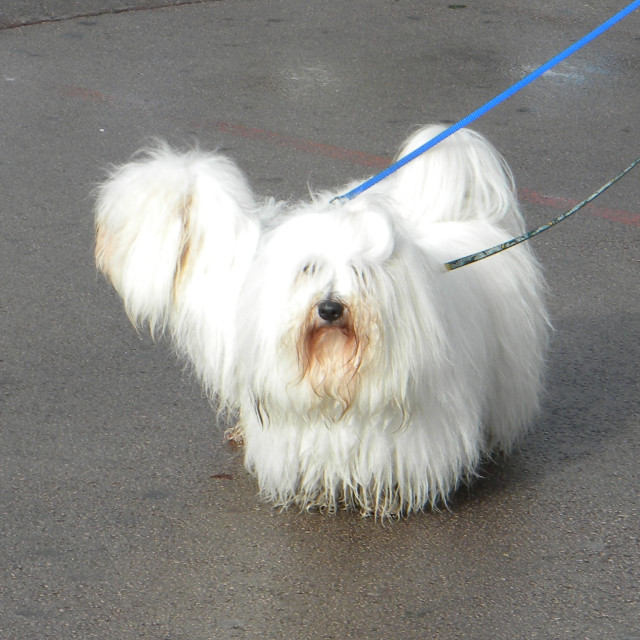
{"x": 460, "y": 179}
{"x": 175, "y": 234}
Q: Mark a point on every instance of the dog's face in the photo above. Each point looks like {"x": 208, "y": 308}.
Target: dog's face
{"x": 339, "y": 327}
{"x": 311, "y": 301}
{"x": 321, "y": 306}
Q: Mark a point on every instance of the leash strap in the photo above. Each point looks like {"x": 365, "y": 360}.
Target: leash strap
{"x": 480, "y": 255}
{"x": 492, "y": 103}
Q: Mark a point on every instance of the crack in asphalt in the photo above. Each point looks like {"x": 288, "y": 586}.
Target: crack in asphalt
{"x": 5, "y": 26}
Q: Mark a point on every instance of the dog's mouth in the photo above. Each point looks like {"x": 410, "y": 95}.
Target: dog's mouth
{"x": 330, "y": 352}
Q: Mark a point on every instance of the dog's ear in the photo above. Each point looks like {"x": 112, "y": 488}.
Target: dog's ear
{"x": 175, "y": 234}
{"x": 462, "y": 178}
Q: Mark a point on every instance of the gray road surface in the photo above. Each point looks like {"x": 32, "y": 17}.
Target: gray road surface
{"x": 123, "y": 514}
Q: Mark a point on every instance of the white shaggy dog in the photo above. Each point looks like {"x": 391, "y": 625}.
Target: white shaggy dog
{"x": 363, "y": 374}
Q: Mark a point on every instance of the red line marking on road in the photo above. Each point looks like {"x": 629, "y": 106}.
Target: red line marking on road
{"x": 615, "y": 215}
{"x": 380, "y": 162}
{"x": 297, "y": 144}
{"x": 86, "y": 94}
{"x": 366, "y": 160}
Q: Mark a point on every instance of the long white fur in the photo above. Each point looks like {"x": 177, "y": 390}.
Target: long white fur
{"x": 441, "y": 368}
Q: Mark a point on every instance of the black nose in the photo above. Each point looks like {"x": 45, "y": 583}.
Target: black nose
{"x": 330, "y": 310}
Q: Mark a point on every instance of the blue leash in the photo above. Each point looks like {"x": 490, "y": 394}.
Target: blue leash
{"x": 492, "y": 103}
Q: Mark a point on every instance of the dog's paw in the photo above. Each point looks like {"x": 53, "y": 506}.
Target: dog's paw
{"x": 235, "y": 435}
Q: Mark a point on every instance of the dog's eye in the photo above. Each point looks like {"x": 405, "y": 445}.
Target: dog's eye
{"x": 362, "y": 276}
{"x": 309, "y": 269}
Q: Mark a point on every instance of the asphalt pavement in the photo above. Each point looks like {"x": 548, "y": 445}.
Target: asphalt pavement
{"x": 123, "y": 513}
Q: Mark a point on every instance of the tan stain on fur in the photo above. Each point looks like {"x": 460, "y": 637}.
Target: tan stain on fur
{"x": 186, "y": 246}
{"x": 331, "y": 355}
{"x": 103, "y": 249}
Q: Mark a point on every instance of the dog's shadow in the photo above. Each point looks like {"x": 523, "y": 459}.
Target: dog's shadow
{"x": 592, "y": 396}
